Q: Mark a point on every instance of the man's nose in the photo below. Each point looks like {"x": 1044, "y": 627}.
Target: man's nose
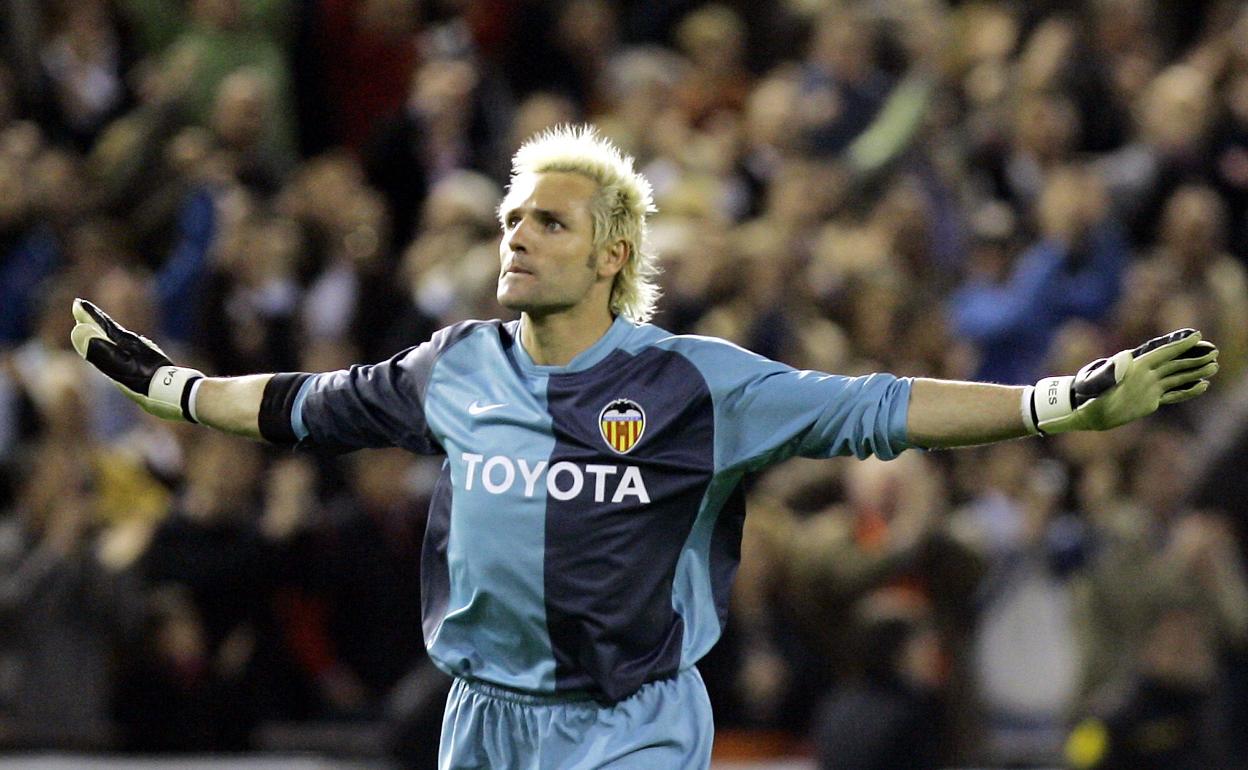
{"x": 517, "y": 239}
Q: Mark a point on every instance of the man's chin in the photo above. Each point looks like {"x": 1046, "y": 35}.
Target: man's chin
{"x": 513, "y": 303}
{"x": 529, "y": 306}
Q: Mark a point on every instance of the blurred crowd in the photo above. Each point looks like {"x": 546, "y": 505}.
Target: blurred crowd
{"x": 976, "y": 190}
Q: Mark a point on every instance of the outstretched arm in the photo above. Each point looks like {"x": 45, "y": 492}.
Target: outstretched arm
{"x": 1102, "y": 395}
{"x": 378, "y": 405}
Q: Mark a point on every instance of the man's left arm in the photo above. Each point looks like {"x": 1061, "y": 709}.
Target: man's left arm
{"x": 1104, "y": 394}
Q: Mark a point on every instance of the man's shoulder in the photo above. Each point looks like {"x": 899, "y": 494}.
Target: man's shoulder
{"x": 478, "y": 335}
{"x": 717, "y": 362}
{"x": 491, "y": 331}
{"x": 697, "y": 345}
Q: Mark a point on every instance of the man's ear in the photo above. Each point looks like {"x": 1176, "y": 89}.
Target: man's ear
{"x": 613, "y": 259}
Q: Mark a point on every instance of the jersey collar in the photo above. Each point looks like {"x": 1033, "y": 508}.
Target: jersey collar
{"x": 586, "y": 359}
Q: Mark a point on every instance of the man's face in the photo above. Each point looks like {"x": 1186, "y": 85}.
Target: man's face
{"x": 547, "y": 256}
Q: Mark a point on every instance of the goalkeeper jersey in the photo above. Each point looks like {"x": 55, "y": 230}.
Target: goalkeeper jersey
{"x": 587, "y": 523}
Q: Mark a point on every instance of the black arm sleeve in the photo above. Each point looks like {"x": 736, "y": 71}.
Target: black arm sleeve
{"x": 276, "y": 406}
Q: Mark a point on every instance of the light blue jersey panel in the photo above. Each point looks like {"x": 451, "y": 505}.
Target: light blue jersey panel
{"x": 765, "y": 412}
{"x": 707, "y": 566}
{"x": 495, "y": 427}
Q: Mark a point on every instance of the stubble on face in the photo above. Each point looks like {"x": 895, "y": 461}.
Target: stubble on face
{"x": 546, "y": 222}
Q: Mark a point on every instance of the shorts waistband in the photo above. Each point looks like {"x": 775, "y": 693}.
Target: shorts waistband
{"x": 526, "y": 697}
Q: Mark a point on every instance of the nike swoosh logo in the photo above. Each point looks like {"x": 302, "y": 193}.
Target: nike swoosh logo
{"x": 476, "y": 408}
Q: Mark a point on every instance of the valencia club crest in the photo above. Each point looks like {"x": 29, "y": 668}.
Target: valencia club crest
{"x": 622, "y": 422}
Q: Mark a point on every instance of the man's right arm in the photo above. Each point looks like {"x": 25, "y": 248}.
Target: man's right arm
{"x": 377, "y": 405}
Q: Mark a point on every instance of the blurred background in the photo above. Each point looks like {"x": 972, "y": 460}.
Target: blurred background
{"x": 985, "y": 190}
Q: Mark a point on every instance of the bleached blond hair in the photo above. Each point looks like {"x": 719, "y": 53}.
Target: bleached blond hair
{"x": 619, "y": 208}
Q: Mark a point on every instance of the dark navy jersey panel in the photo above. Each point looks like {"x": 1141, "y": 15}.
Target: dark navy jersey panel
{"x": 435, "y": 578}
{"x": 377, "y": 405}
{"x": 611, "y": 551}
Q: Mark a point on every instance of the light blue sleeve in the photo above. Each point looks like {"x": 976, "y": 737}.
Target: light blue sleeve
{"x": 766, "y": 412}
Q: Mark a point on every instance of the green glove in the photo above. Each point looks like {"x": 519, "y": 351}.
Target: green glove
{"x": 134, "y": 363}
{"x": 1131, "y": 384}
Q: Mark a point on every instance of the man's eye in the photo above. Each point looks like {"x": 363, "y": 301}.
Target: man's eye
{"x": 553, "y": 226}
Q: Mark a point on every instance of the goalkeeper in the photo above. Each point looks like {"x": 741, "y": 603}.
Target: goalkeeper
{"x": 586, "y": 529}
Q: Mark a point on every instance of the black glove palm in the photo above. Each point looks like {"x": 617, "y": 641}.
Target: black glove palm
{"x": 135, "y": 364}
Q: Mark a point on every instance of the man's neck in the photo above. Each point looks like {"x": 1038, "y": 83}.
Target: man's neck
{"x": 556, "y": 339}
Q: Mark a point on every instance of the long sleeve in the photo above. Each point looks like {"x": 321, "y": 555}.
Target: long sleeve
{"x": 766, "y": 411}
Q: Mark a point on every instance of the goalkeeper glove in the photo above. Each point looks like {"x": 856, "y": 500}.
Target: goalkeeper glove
{"x": 135, "y": 364}
{"x": 1131, "y": 384}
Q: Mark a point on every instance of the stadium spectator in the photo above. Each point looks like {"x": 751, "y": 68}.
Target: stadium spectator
{"x": 83, "y": 58}
{"x": 213, "y": 550}
{"x": 1160, "y": 720}
{"x": 226, "y": 35}
{"x": 371, "y": 571}
{"x": 890, "y": 714}
{"x": 1024, "y": 655}
{"x": 54, "y": 192}
{"x": 450, "y": 121}
{"x": 357, "y": 66}
{"x": 66, "y": 615}
{"x": 1073, "y": 271}
{"x": 843, "y": 84}
{"x": 1149, "y": 550}
{"x": 889, "y": 546}
{"x": 173, "y": 696}
{"x": 1189, "y": 273}
{"x": 241, "y": 114}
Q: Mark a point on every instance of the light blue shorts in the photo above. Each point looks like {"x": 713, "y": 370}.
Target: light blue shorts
{"x": 663, "y": 725}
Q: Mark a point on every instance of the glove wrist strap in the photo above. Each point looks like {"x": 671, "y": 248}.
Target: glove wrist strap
{"x": 1052, "y": 399}
{"x": 172, "y": 385}
{"x": 192, "y": 394}
{"x": 1027, "y": 408}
